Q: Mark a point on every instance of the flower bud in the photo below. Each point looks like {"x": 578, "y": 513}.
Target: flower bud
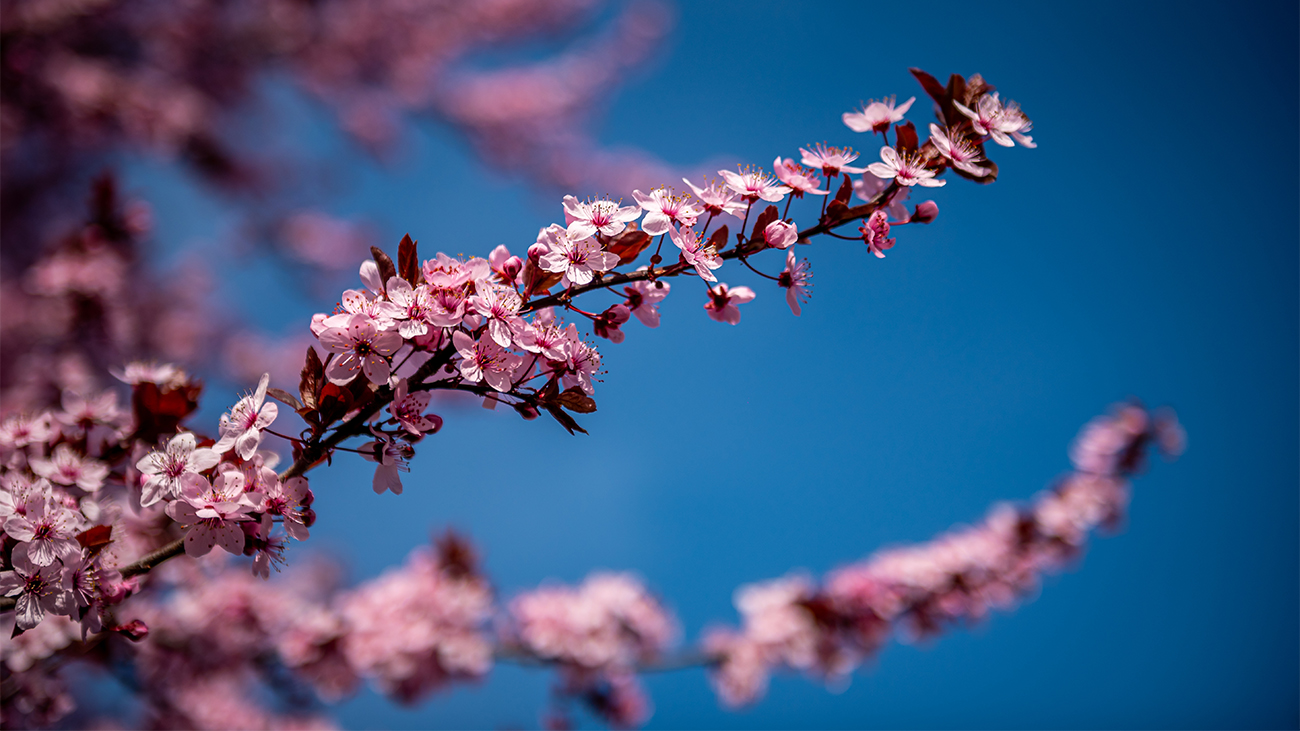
{"x": 134, "y": 630}
{"x": 308, "y": 517}
{"x": 926, "y": 211}
{"x": 512, "y": 266}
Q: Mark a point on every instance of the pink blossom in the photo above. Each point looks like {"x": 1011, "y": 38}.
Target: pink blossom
{"x": 696, "y": 252}
{"x": 577, "y": 259}
{"x": 796, "y": 280}
{"x": 545, "y": 338}
{"x": 581, "y": 364}
{"x": 717, "y": 198}
{"x": 500, "y": 307}
{"x": 94, "y": 417}
{"x": 359, "y": 345}
{"x": 444, "y": 272}
{"x": 40, "y": 588}
{"x": 67, "y": 467}
{"x": 664, "y": 209}
{"x": 722, "y": 302}
{"x": 877, "y": 116}
{"x": 416, "y": 308}
{"x": 46, "y": 528}
{"x": 643, "y": 298}
{"x": 608, "y": 323}
{"x": 241, "y": 427}
{"x": 377, "y": 309}
{"x": 753, "y": 185}
{"x": 21, "y": 430}
{"x": 957, "y": 148}
{"x": 800, "y": 179}
{"x": 212, "y": 512}
{"x": 484, "y": 360}
{"x": 831, "y": 160}
{"x": 170, "y": 469}
{"x": 994, "y": 120}
{"x": 407, "y": 409}
{"x": 289, "y": 500}
{"x": 165, "y": 375}
{"x": 876, "y": 232}
{"x": 601, "y": 216}
{"x": 780, "y": 234}
{"x": 905, "y": 168}
{"x": 391, "y": 456}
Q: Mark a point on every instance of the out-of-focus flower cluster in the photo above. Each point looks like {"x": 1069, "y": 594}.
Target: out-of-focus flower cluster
{"x": 82, "y": 80}
{"x": 956, "y": 579}
{"x": 598, "y": 634}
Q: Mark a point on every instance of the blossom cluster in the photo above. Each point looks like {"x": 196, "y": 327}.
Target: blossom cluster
{"x": 598, "y": 634}
{"x": 496, "y": 326}
{"x": 59, "y": 515}
{"x": 955, "y": 579}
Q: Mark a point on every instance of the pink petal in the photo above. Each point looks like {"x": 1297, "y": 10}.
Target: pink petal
{"x": 581, "y": 229}
{"x": 376, "y": 369}
{"x": 881, "y": 170}
{"x": 230, "y": 537}
{"x": 342, "y": 370}
{"x": 199, "y": 541}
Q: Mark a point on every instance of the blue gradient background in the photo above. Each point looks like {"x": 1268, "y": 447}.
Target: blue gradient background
{"x": 1147, "y": 248}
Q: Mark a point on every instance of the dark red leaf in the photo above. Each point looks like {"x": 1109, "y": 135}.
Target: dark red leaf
{"x": 768, "y": 215}
{"x": 575, "y": 400}
{"x": 931, "y": 85}
{"x": 313, "y": 376}
{"x": 905, "y": 136}
{"x": 565, "y": 420}
{"x": 96, "y": 537}
{"x": 628, "y": 245}
{"x": 537, "y": 280}
{"x": 845, "y": 193}
{"x": 408, "y": 260}
{"x": 719, "y": 238}
{"x": 160, "y": 412}
{"x": 957, "y": 88}
{"x": 386, "y": 269}
{"x": 284, "y": 397}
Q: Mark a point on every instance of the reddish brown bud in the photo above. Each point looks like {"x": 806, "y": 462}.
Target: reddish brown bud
{"x": 134, "y": 630}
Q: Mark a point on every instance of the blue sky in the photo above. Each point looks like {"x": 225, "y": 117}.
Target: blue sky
{"x": 1147, "y": 248}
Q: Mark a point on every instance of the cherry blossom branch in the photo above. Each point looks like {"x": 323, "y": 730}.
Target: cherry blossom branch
{"x": 855, "y": 213}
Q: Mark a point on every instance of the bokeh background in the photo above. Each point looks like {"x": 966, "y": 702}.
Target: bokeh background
{"x": 1146, "y": 249}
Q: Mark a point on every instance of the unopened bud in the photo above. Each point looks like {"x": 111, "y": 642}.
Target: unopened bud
{"x": 537, "y": 251}
{"x": 926, "y": 211}
{"x": 308, "y": 517}
{"x": 512, "y": 266}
